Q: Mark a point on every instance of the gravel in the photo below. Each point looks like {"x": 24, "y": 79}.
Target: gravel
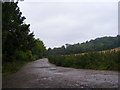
{"x": 42, "y": 74}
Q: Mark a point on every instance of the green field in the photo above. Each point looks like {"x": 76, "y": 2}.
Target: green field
{"x": 93, "y": 60}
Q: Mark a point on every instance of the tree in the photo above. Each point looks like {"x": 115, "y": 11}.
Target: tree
{"x": 38, "y": 48}
{"x": 12, "y": 29}
{"x": 18, "y": 42}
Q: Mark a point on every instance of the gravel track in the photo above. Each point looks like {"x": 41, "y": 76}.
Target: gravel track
{"x": 42, "y": 74}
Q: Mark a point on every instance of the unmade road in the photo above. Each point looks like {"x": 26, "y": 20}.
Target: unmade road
{"x": 42, "y": 74}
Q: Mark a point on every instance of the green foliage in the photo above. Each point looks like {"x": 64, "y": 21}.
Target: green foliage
{"x": 12, "y": 67}
{"x": 18, "y": 43}
{"x": 103, "y": 43}
{"x": 21, "y": 55}
{"x": 39, "y": 48}
{"x": 92, "y": 60}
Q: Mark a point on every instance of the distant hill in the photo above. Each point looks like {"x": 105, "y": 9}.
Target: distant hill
{"x": 98, "y": 44}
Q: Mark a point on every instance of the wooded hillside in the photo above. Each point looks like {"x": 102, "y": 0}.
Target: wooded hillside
{"x": 99, "y": 44}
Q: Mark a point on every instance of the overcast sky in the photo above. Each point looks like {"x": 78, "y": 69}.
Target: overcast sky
{"x": 58, "y": 23}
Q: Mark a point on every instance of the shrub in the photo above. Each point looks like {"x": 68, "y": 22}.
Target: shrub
{"x": 22, "y": 55}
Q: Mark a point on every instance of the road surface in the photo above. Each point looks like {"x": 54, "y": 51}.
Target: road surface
{"x": 42, "y": 74}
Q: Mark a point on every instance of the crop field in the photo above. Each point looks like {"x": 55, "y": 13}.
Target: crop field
{"x": 101, "y": 60}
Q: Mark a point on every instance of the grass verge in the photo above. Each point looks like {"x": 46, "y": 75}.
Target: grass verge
{"x": 12, "y": 67}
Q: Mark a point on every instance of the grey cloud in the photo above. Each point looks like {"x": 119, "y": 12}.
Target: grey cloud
{"x": 60, "y": 23}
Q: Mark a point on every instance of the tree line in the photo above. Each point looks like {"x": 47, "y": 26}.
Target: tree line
{"x": 98, "y": 44}
{"x": 18, "y": 43}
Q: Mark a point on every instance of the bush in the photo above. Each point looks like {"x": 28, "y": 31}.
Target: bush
{"x": 21, "y": 55}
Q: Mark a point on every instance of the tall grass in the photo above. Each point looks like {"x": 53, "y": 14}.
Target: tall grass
{"x": 92, "y": 60}
{"x": 12, "y": 67}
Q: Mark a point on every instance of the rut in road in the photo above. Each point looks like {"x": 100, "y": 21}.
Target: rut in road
{"x": 42, "y": 74}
